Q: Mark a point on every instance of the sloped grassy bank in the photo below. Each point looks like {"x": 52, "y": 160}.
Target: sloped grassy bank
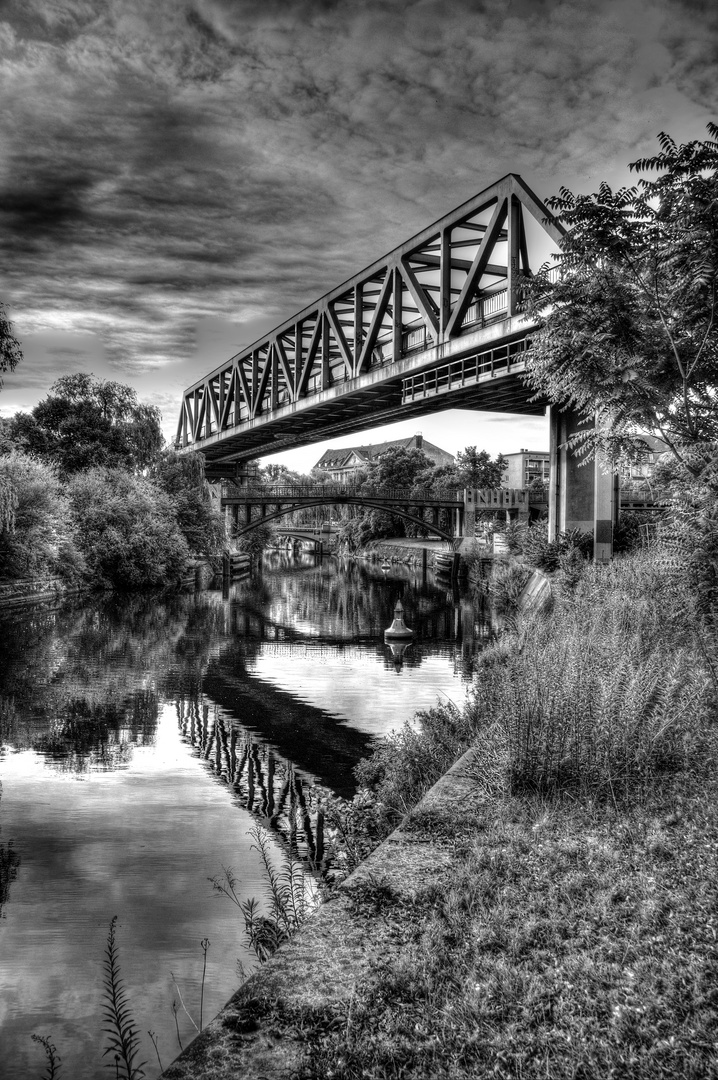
{"x": 553, "y": 911}
{"x": 575, "y": 932}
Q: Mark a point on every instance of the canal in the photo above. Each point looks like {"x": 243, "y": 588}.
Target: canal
{"x": 142, "y": 738}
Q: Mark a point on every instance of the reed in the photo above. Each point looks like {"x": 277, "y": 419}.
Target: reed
{"x": 288, "y": 896}
{"x": 122, "y": 1035}
{"x": 54, "y": 1060}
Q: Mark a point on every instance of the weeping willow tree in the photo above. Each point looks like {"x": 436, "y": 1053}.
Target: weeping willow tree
{"x": 8, "y": 504}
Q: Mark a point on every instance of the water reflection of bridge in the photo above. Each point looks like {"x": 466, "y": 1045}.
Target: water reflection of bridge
{"x": 282, "y": 797}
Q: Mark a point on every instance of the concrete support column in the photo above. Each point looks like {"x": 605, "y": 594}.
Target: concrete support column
{"x": 580, "y": 496}
{"x": 469, "y": 512}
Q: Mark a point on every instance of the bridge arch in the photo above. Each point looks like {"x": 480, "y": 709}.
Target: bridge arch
{"x": 339, "y": 500}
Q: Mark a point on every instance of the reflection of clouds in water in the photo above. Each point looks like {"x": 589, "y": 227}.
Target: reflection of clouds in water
{"x": 362, "y": 687}
{"x": 140, "y": 843}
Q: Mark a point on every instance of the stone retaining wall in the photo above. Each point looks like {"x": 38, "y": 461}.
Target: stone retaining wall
{"x": 257, "y": 1035}
{"x": 15, "y": 594}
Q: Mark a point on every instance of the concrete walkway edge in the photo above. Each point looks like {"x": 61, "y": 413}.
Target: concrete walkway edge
{"x": 257, "y": 1035}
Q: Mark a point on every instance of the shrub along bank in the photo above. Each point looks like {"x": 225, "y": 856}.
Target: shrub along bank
{"x": 106, "y": 527}
{"x": 575, "y": 933}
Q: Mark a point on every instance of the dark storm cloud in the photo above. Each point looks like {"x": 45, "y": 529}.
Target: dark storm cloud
{"x": 171, "y": 162}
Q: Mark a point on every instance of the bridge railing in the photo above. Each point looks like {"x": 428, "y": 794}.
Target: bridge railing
{"x": 464, "y": 372}
{"x": 289, "y": 493}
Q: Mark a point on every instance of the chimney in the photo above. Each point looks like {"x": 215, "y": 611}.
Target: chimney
{"x": 418, "y": 440}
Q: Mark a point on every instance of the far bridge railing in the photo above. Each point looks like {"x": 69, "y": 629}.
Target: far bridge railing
{"x": 415, "y": 496}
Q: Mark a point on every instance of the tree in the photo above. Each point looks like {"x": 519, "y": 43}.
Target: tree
{"x": 181, "y": 476}
{"x": 628, "y": 328}
{"x": 256, "y": 541}
{"x": 477, "y": 470}
{"x": 37, "y": 530}
{"x": 276, "y": 475}
{"x": 398, "y": 467}
{"x": 10, "y": 352}
{"x": 87, "y": 422}
{"x": 127, "y": 529}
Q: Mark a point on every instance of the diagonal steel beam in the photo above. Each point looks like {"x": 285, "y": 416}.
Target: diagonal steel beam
{"x": 373, "y": 332}
{"x": 340, "y": 339}
{"x": 308, "y": 364}
{"x": 477, "y": 267}
{"x": 426, "y": 310}
{"x": 284, "y": 365}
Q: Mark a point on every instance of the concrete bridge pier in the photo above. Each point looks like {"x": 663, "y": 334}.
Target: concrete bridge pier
{"x": 581, "y": 496}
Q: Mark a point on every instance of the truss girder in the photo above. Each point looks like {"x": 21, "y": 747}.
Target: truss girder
{"x": 424, "y": 297}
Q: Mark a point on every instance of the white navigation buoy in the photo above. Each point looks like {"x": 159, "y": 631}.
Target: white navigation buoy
{"x": 398, "y": 628}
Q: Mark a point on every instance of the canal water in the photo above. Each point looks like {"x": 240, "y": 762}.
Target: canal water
{"x": 143, "y": 739}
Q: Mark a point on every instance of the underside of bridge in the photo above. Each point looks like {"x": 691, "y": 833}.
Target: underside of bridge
{"x": 433, "y": 325}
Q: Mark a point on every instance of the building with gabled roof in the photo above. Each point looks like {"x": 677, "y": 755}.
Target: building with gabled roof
{"x": 345, "y": 463}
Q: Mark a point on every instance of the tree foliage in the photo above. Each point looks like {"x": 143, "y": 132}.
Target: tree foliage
{"x": 255, "y": 541}
{"x": 477, "y": 470}
{"x": 398, "y": 467}
{"x": 628, "y": 327}
{"x": 127, "y": 529}
{"x": 10, "y": 352}
{"x": 86, "y": 422}
{"x": 181, "y": 477}
{"x": 37, "y": 534}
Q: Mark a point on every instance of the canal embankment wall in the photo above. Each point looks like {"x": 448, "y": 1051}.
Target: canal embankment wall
{"x": 198, "y": 573}
{"x": 258, "y": 1034}
{"x": 50, "y": 590}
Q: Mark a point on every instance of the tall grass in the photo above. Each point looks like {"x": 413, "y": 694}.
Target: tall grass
{"x": 598, "y": 697}
{"x": 603, "y": 695}
{"x": 289, "y": 896}
{"x": 54, "y": 1060}
{"x": 123, "y": 1038}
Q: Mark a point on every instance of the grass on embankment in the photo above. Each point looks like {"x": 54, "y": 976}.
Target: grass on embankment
{"x": 575, "y": 935}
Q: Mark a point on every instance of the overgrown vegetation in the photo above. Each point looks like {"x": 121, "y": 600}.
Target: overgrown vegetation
{"x": 88, "y": 496}
{"x": 628, "y": 333}
{"x": 574, "y": 934}
{"x": 290, "y": 897}
{"x": 597, "y": 699}
{"x": 54, "y": 1061}
{"x": 123, "y": 1038}
{"x": 565, "y": 941}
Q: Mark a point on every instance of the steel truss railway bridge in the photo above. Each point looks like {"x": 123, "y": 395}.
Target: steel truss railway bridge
{"x": 433, "y": 325}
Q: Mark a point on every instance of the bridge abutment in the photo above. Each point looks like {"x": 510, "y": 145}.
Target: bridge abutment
{"x": 581, "y": 496}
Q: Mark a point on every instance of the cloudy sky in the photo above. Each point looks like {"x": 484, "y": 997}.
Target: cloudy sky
{"x": 177, "y": 177}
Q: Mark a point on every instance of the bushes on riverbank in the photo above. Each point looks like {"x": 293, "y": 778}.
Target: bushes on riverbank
{"x": 598, "y": 699}
{"x": 103, "y": 527}
{"x": 38, "y": 537}
{"x": 127, "y": 530}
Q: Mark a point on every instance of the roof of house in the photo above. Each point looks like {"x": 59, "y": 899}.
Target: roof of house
{"x": 337, "y": 459}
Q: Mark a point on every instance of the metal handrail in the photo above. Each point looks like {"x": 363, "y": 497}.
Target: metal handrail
{"x": 410, "y": 495}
